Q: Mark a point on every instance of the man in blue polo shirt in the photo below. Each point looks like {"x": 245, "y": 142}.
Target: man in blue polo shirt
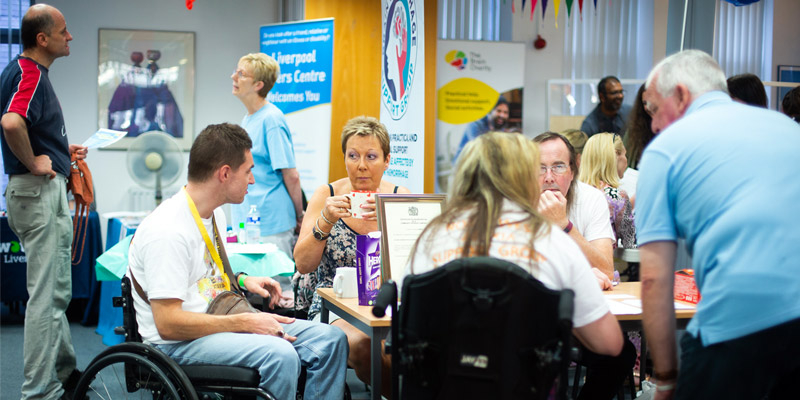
{"x": 36, "y": 156}
{"x": 723, "y": 176}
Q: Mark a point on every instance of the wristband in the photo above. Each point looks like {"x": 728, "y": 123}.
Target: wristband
{"x": 665, "y": 387}
{"x": 568, "y": 228}
{"x": 241, "y": 279}
{"x": 322, "y": 213}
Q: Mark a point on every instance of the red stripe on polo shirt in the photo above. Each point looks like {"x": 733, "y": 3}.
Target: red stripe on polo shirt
{"x": 28, "y": 83}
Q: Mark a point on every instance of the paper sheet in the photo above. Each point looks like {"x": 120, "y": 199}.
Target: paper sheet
{"x": 104, "y": 137}
{"x": 619, "y": 296}
{"x": 618, "y": 308}
{"x": 638, "y": 303}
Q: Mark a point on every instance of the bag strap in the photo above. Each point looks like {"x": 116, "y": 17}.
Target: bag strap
{"x": 80, "y": 225}
{"x": 223, "y": 255}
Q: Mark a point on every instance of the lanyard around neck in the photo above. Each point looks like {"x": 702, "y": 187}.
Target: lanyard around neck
{"x": 211, "y": 248}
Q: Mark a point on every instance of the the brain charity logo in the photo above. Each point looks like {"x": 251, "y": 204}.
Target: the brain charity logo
{"x": 399, "y": 55}
{"x": 456, "y": 58}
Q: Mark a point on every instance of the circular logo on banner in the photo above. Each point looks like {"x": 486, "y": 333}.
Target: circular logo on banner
{"x": 399, "y": 55}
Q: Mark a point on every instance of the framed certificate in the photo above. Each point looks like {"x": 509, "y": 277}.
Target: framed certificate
{"x": 401, "y": 219}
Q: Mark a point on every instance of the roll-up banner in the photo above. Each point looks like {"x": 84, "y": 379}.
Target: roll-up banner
{"x": 403, "y": 90}
{"x": 479, "y": 89}
{"x": 304, "y": 51}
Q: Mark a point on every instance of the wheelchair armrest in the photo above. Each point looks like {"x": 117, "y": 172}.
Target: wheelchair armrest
{"x": 386, "y": 296}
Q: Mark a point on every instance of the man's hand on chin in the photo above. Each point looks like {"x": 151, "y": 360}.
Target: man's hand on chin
{"x": 553, "y": 206}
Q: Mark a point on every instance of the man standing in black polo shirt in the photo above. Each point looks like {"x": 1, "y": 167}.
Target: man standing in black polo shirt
{"x": 36, "y": 156}
{"x": 610, "y": 115}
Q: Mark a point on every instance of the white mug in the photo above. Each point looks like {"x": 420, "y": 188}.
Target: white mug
{"x": 345, "y": 283}
{"x": 357, "y": 198}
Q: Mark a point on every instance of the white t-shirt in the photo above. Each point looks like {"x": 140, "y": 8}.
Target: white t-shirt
{"x": 557, "y": 262}
{"x": 628, "y": 181}
{"x": 589, "y": 214}
{"x": 168, "y": 256}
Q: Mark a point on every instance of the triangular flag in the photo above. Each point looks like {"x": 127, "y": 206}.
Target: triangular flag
{"x": 569, "y": 8}
{"x": 523, "y": 6}
{"x": 556, "y": 4}
{"x": 533, "y": 8}
{"x": 580, "y": 8}
{"x": 513, "y": 10}
{"x": 595, "y": 5}
{"x": 544, "y": 8}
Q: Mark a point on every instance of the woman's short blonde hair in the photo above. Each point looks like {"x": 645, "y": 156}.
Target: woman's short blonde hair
{"x": 366, "y": 126}
{"x": 599, "y": 160}
{"x": 265, "y": 69}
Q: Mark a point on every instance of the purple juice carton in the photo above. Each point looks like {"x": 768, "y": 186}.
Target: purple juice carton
{"x": 368, "y": 263}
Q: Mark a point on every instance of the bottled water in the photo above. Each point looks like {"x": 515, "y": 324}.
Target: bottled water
{"x": 253, "y": 225}
{"x": 242, "y": 235}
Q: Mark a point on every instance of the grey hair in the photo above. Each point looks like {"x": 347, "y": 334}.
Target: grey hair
{"x": 695, "y": 69}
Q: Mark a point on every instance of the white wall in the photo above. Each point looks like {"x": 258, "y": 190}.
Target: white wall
{"x": 224, "y": 31}
{"x": 540, "y": 65}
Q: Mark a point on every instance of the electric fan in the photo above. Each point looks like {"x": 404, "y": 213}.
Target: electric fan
{"x": 155, "y": 160}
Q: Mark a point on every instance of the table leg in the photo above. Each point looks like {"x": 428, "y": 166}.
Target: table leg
{"x": 323, "y": 314}
{"x": 376, "y": 363}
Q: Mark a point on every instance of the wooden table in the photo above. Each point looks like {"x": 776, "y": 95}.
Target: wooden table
{"x": 633, "y": 321}
{"x": 377, "y": 328}
{"x": 361, "y": 317}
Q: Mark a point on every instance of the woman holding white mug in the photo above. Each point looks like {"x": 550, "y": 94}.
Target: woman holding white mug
{"x": 328, "y": 234}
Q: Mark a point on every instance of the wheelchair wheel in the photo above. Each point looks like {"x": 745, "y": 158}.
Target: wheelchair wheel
{"x": 124, "y": 375}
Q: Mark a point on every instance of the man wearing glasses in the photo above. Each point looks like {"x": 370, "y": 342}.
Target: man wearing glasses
{"x": 582, "y": 212}
{"x": 610, "y": 115}
{"x": 276, "y": 193}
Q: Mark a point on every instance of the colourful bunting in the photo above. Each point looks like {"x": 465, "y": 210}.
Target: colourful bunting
{"x": 569, "y": 8}
{"x": 533, "y": 8}
{"x": 580, "y": 8}
{"x": 544, "y": 8}
{"x": 556, "y": 5}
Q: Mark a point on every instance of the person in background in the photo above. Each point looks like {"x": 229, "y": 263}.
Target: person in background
{"x": 577, "y": 139}
{"x": 328, "y": 236}
{"x": 791, "y": 104}
{"x": 277, "y": 192}
{"x": 496, "y": 120}
{"x": 575, "y": 207}
{"x": 491, "y": 211}
{"x": 747, "y": 89}
{"x": 603, "y": 155}
{"x": 610, "y": 115}
{"x": 638, "y": 133}
{"x": 699, "y": 182}
{"x": 36, "y": 156}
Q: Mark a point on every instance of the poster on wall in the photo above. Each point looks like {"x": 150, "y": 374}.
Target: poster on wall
{"x": 479, "y": 89}
{"x": 304, "y": 51}
{"x": 145, "y": 82}
{"x": 403, "y": 90}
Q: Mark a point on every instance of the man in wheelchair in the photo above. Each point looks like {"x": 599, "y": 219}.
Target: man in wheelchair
{"x": 175, "y": 263}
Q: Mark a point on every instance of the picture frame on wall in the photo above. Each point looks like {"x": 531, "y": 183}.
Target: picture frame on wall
{"x": 145, "y": 82}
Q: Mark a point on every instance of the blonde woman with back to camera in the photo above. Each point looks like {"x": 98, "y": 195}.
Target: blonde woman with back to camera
{"x": 491, "y": 209}
{"x": 328, "y": 234}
